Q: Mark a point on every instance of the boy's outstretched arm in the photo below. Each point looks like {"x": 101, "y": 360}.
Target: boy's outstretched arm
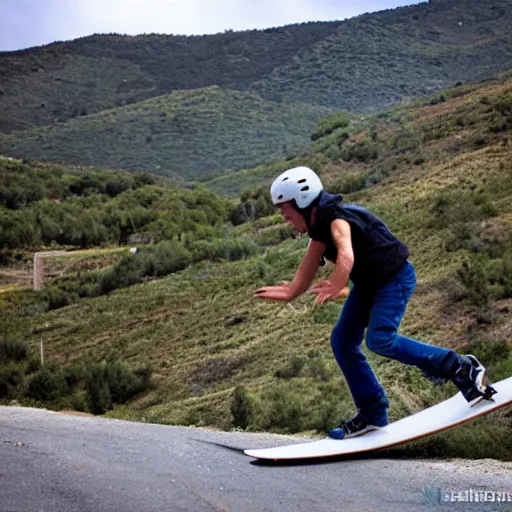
{"x": 303, "y": 278}
{"x": 336, "y": 285}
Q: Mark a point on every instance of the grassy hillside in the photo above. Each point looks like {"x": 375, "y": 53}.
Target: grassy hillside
{"x": 63, "y": 80}
{"x": 360, "y": 64}
{"x": 438, "y": 172}
{"x": 193, "y": 134}
{"x": 360, "y": 151}
{"x": 46, "y": 206}
{"x": 377, "y": 60}
{"x": 199, "y": 106}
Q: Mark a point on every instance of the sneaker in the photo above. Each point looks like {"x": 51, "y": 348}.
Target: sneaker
{"x": 471, "y": 379}
{"x": 359, "y": 425}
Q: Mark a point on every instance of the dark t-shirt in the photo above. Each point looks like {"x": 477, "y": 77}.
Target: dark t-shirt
{"x": 378, "y": 254}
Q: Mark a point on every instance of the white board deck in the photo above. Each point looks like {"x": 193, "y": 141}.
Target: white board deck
{"x": 442, "y": 416}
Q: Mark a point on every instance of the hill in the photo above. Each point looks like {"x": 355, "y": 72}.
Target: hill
{"x": 401, "y": 140}
{"x": 438, "y": 172}
{"x": 359, "y": 65}
{"x": 47, "y": 206}
{"x": 60, "y": 81}
{"x": 378, "y": 60}
{"x": 194, "y": 134}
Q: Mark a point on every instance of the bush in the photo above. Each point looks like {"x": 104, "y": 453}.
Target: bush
{"x": 97, "y": 390}
{"x": 473, "y": 277}
{"x": 56, "y": 298}
{"x": 124, "y": 383}
{"x": 274, "y": 235}
{"x": 360, "y": 152}
{"x": 11, "y": 380}
{"x": 242, "y": 408}
{"x": 114, "y": 382}
{"x": 115, "y": 187}
{"x": 328, "y": 124}
{"x": 500, "y": 276}
{"x": 458, "y": 207}
{"x": 291, "y": 369}
{"x": 491, "y": 352}
{"x": 160, "y": 260}
{"x": 230, "y": 249}
{"x": 464, "y": 236}
{"x": 47, "y": 384}
{"x": 317, "y": 369}
{"x": 12, "y": 351}
{"x": 286, "y": 409}
{"x": 253, "y": 205}
{"x": 349, "y": 184}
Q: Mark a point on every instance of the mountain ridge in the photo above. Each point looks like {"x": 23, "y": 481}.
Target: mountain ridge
{"x": 359, "y": 65}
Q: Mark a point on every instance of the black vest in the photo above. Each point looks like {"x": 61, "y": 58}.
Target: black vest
{"x": 378, "y": 254}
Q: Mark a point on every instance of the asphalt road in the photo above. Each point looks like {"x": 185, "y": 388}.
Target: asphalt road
{"x": 53, "y": 462}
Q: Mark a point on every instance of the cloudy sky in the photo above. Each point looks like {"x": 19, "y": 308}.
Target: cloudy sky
{"x": 26, "y": 23}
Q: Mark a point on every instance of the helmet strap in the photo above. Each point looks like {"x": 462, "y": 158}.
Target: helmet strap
{"x": 308, "y": 213}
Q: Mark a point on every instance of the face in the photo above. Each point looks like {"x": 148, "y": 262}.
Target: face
{"x": 293, "y": 217}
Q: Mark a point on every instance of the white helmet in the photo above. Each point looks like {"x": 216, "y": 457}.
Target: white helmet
{"x": 300, "y": 184}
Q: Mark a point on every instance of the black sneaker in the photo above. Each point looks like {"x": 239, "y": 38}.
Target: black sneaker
{"x": 471, "y": 379}
{"x": 359, "y": 425}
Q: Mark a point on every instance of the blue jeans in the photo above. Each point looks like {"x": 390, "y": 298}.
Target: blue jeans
{"x": 380, "y": 312}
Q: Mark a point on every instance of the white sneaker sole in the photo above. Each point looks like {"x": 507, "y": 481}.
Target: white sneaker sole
{"x": 367, "y": 429}
{"x": 482, "y": 383}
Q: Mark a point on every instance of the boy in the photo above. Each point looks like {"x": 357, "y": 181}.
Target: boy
{"x": 367, "y": 253}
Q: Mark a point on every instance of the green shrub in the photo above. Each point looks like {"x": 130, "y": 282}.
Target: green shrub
{"x": 56, "y": 298}
{"x": 459, "y": 207}
{"x": 274, "y": 235}
{"x": 242, "y": 408}
{"x": 327, "y": 314}
{"x": 124, "y": 382}
{"x": 473, "y": 277}
{"x": 500, "y": 276}
{"x": 318, "y": 369}
{"x": 464, "y": 236}
{"x": 437, "y": 99}
{"x": 115, "y": 187}
{"x": 285, "y": 409}
{"x": 11, "y": 380}
{"x": 97, "y": 390}
{"x": 253, "y": 205}
{"x": 360, "y": 152}
{"x": 230, "y": 249}
{"x": 47, "y": 384}
{"x": 113, "y": 382}
{"x": 328, "y": 124}
{"x": 77, "y": 373}
{"x": 491, "y": 352}
{"x": 160, "y": 260}
{"x": 348, "y": 185}
{"x": 292, "y": 369}
{"x": 12, "y": 351}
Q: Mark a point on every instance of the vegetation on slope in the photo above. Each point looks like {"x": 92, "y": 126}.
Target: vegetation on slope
{"x": 257, "y": 94}
{"x": 354, "y": 152}
{"x": 439, "y": 173}
{"x": 193, "y": 134}
{"x": 61, "y": 81}
{"x": 364, "y": 63}
{"x": 377, "y": 60}
{"x": 47, "y": 206}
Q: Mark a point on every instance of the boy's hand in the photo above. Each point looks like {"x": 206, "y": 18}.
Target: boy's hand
{"x": 326, "y": 290}
{"x": 279, "y": 292}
